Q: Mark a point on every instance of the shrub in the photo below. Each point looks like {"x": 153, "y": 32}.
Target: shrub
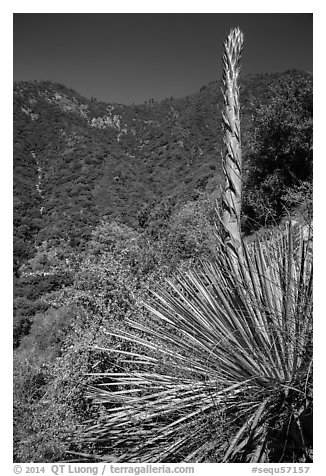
{"x": 280, "y": 148}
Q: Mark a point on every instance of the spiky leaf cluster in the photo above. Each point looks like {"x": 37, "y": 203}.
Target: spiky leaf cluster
{"x": 223, "y": 373}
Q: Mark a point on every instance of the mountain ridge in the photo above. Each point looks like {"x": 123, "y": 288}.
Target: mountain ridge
{"x": 77, "y": 160}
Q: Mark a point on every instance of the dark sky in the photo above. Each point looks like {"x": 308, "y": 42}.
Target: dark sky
{"x": 131, "y": 57}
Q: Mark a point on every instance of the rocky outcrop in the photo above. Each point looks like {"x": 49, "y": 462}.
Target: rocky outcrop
{"x": 110, "y": 120}
{"x": 30, "y": 113}
{"x": 68, "y": 104}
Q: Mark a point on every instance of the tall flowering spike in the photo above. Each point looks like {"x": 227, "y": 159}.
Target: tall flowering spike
{"x": 232, "y": 157}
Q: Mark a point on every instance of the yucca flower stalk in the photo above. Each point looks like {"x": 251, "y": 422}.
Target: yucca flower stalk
{"x": 232, "y": 158}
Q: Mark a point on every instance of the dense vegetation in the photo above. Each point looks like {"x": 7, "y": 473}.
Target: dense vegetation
{"x": 109, "y": 200}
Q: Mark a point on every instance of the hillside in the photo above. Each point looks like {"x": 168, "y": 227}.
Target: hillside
{"x": 76, "y": 160}
{"x": 109, "y": 200}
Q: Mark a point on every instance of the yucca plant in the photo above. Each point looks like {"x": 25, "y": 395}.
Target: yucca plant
{"x": 223, "y": 371}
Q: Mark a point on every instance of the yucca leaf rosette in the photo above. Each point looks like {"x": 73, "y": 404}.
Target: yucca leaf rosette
{"x": 223, "y": 371}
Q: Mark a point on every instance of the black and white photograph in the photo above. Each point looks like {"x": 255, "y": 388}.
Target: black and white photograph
{"x": 162, "y": 240}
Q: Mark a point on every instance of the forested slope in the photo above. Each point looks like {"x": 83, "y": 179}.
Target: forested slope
{"x": 109, "y": 200}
